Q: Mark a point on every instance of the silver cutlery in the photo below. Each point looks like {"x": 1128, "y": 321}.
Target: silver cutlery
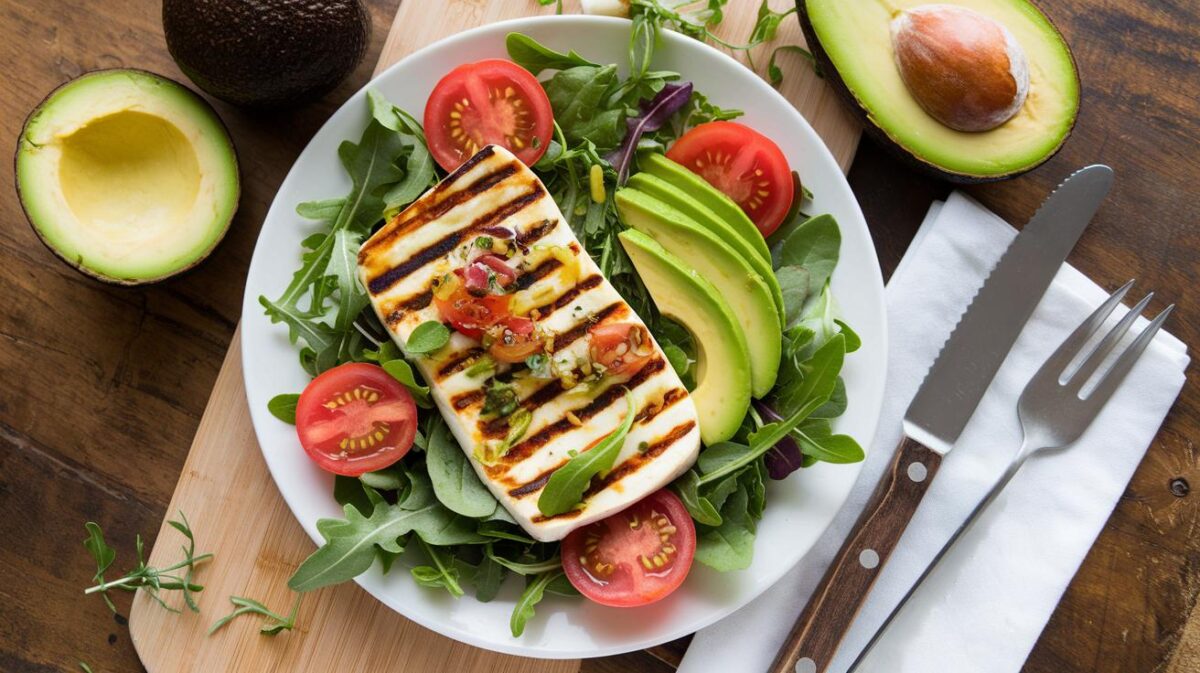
{"x": 1057, "y": 406}
{"x": 944, "y": 403}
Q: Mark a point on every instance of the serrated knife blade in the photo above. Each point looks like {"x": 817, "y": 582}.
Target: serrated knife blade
{"x": 985, "y": 334}
{"x": 947, "y": 398}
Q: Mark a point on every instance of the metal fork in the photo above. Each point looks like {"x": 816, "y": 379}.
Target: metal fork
{"x": 1056, "y": 407}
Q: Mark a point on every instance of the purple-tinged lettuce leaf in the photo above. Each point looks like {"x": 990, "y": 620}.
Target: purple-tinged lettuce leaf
{"x": 655, "y": 113}
{"x": 785, "y": 457}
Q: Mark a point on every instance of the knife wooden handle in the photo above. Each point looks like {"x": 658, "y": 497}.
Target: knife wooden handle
{"x": 836, "y": 601}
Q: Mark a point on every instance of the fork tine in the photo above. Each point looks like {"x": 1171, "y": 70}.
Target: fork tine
{"x": 1113, "y": 377}
{"x": 1081, "y": 375}
{"x": 1062, "y": 357}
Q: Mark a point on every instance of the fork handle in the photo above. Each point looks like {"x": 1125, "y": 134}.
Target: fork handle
{"x": 836, "y": 601}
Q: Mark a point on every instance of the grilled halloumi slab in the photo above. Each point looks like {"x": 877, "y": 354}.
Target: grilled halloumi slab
{"x": 563, "y": 288}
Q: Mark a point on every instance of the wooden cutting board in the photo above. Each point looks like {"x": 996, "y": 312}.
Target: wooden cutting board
{"x": 232, "y": 503}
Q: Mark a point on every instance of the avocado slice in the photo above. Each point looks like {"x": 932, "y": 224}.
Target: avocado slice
{"x": 127, "y": 176}
{"x": 732, "y": 276}
{"x": 705, "y": 217}
{"x": 722, "y": 392}
{"x": 852, "y": 43}
{"x": 710, "y": 197}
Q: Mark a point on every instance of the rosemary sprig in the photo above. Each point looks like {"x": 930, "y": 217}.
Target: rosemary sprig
{"x": 244, "y": 606}
{"x": 176, "y": 577}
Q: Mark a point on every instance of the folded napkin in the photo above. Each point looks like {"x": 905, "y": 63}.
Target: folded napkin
{"x": 984, "y": 607}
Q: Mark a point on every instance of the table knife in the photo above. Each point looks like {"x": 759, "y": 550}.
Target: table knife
{"x": 943, "y": 404}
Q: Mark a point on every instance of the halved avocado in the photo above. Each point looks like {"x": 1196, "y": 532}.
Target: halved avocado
{"x": 724, "y": 269}
{"x": 722, "y": 392}
{"x": 710, "y": 197}
{"x": 705, "y": 217}
{"x": 852, "y": 43}
{"x": 127, "y": 176}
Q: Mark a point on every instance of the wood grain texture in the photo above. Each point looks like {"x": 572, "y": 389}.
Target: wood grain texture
{"x": 839, "y": 596}
{"x": 103, "y": 388}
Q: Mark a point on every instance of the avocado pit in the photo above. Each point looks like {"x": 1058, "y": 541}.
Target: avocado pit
{"x": 965, "y": 69}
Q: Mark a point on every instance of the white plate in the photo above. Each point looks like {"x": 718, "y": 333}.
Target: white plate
{"x": 798, "y": 509}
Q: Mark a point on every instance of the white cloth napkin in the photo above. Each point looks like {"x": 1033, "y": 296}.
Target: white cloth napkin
{"x": 985, "y": 606}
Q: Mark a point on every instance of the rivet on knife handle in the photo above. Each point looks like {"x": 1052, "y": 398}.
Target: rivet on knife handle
{"x": 819, "y": 630}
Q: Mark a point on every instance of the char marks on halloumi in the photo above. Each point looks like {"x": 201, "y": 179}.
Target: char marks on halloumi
{"x": 568, "y": 295}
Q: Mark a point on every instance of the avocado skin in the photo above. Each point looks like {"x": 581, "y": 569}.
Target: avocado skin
{"x": 834, "y": 78}
{"x": 266, "y": 53}
{"x": 74, "y": 263}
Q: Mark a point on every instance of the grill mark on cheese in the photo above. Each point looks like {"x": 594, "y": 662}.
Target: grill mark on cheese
{"x": 541, "y": 518}
{"x": 650, "y": 411}
{"x": 564, "y": 339}
{"x": 463, "y": 400}
{"x": 585, "y": 285}
{"x": 636, "y": 462}
{"x": 562, "y": 426}
{"x": 421, "y": 211}
{"x": 459, "y": 362}
{"x": 525, "y": 280}
{"x": 536, "y": 232}
{"x": 416, "y": 302}
{"x": 449, "y": 242}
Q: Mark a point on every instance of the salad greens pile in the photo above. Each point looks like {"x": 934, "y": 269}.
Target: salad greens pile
{"x": 432, "y": 501}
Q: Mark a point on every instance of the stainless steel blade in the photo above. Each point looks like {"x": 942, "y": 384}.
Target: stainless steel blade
{"x": 989, "y": 327}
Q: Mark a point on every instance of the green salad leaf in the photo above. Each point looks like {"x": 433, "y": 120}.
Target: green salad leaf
{"x": 283, "y": 407}
{"x": 535, "y": 57}
{"x": 454, "y": 480}
{"x": 565, "y": 488}
{"x": 429, "y": 337}
{"x": 534, "y": 591}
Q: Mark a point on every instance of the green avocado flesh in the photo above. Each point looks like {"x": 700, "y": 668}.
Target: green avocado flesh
{"x": 708, "y": 196}
{"x": 703, "y": 216}
{"x": 127, "y": 176}
{"x": 728, "y": 272}
{"x": 722, "y": 392}
{"x": 855, "y": 38}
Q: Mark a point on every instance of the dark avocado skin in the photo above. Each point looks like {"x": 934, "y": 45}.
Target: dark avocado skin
{"x": 266, "y": 53}
{"x": 829, "y": 72}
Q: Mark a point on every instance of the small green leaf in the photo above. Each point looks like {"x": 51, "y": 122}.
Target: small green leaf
{"x": 325, "y": 209}
{"x": 454, "y": 480}
{"x": 283, "y": 407}
{"x": 403, "y": 372}
{"x": 567, "y": 484}
{"x": 534, "y": 591}
{"x": 103, "y": 554}
{"x": 428, "y": 337}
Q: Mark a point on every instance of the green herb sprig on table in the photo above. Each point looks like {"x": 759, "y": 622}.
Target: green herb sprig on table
{"x": 275, "y": 622}
{"x": 175, "y": 577}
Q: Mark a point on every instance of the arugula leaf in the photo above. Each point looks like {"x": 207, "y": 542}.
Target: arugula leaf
{"x": 775, "y": 73}
{"x": 534, "y": 591}
{"x": 440, "y": 574}
{"x": 428, "y": 337}
{"x": 324, "y": 209}
{"x": 487, "y": 579}
{"x": 812, "y": 246}
{"x": 350, "y": 543}
{"x": 577, "y": 96}
{"x": 283, "y": 407}
{"x": 687, "y": 487}
{"x": 729, "y": 546}
{"x": 276, "y": 623}
{"x": 816, "y": 439}
{"x": 567, "y": 484}
{"x": 534, "y": 57}
{"x": 454, "y": 481}
{"x": 532, "y": 567}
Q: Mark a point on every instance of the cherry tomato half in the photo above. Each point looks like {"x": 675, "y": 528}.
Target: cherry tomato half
{"x": 467, "y": 312}
{"x": 488, "y": 102}
{"x": 622, "y": 347}
{"x": 355, "y": 418}
{"x": 744, "y": 164}
{"x": 514, "y": 339}
{"x": 634, "y": 557}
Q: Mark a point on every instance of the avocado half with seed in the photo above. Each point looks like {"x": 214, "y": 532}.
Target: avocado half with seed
{"x": 922, "y": 76}
{"x": 127, "y": 176}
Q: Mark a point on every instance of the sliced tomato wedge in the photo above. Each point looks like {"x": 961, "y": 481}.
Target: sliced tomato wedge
{"x": 489, "y": 102}
{"x": 470, "y": 312}
{"x": 355, "y": 418}
{"x": 744, "y": 164}
{"x": 622, "y": 347}
{"x": 634, "y": 557}
{"x": 514, "y": 340}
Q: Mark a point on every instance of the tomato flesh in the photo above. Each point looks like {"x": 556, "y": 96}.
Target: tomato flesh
{"x": 514, "y": 340}
{"x": 634, "y": 557}
{"x": 745, "y": 165}
{"x": 622, "y": 348}
{"x": 489, "y": 102}
{"x": 355, "y": 418}
{"x": 470, "y": 312}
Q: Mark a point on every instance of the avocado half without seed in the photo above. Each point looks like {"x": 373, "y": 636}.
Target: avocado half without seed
{"x": 127, "y": 176}
{"x": 968, "y": 90}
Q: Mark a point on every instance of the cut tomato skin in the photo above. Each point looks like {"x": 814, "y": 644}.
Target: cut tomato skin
{"x": 635, "y": 557}
{"x": 355, "y": 418}
{"x": 489, "y": 102}
{"x": 471, "y": 314}
{"x": 745, "y": 165}
{"x": 622, "y": 348}
{"x": 514, "y": 339}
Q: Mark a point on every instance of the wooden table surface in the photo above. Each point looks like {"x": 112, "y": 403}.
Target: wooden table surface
{"x": 103, "y": 387}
